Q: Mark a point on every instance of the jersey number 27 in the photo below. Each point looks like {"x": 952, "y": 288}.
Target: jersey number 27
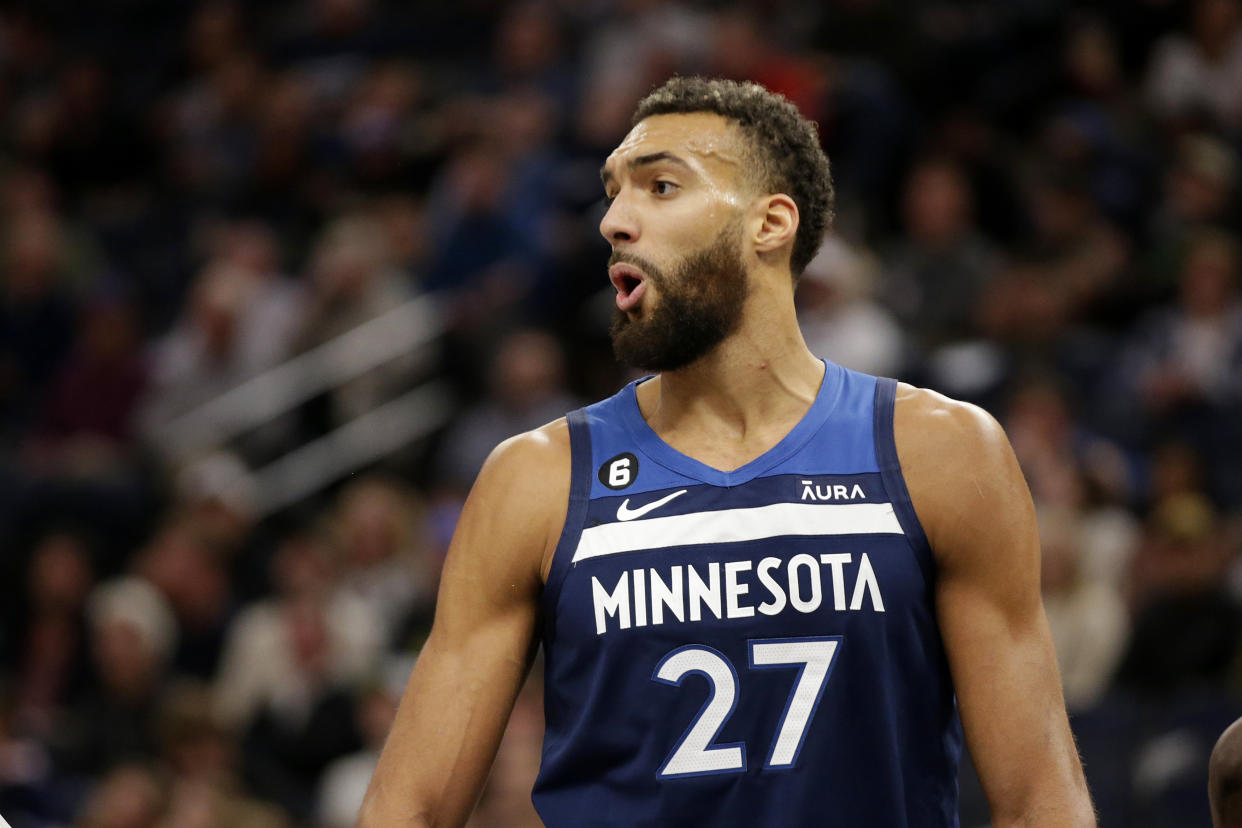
{"x": 694, "y": 754}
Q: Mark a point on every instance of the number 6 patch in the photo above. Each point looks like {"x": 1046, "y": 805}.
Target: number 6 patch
{"x": 620, "y": 471}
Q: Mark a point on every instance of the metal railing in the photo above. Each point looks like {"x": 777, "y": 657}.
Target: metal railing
{"x": 402, "y": 331}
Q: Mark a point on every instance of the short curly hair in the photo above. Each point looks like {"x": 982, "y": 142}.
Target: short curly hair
{"x": 783, "y": 144}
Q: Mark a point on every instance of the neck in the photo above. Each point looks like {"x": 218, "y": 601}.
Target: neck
{"x": 754, "y": 385}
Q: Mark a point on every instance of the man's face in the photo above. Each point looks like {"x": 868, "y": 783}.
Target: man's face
{"x": 675, "y": 225}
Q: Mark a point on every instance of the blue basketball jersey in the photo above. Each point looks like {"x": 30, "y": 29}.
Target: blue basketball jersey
{"x": 753, "y": 648}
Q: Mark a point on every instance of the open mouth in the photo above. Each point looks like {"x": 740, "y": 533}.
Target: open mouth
{"x": 630, "y": 284}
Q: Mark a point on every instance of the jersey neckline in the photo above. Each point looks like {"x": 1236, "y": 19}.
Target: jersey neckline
{"x": 654, "y": 447}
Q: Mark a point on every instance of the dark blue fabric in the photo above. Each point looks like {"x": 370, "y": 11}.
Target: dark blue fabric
{"x": 881, "y": 742}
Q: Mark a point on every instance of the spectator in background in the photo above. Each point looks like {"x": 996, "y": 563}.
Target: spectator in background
{"x": 133, "y": 633}
{"x": 378, "y": 530}
{"x": 128, "y": 796}
{"x": 1192, "y": 353}
{"x": 373, "y": 129}
{"x": 525, "y": 389}
{"x": 37, "y": 314}
{"x": 51, "y": 669}
{"x": 1184, "y": 363}
{"x": 1073, "y": 261}
{"x": 935, "y": 273}
{"x": 839, "y": 317}
{"x": 1188, "y": 626}
{"x": 309, "y": 719}
{"x": 200, "y": 760}
{"x": 344, "y": 782}
{"x": 529, "y": 54}
{"x": 190, "y": 572}
{"x": 1195, "y": 77}
{"x": 354, "y": 280}
{"x": 1200, "y": 190}
{"x": 309, "y": 638}
{"x": 1087, "y": 615}
{"x": 30, "y": 791}
{"x": 241, "y": 319}
{"x": 87, "y": 422}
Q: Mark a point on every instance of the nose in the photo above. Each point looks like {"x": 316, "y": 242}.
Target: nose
{"x": 619, "y": 224}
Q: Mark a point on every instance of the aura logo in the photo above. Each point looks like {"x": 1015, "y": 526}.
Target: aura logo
{"x": 831, "y": 491}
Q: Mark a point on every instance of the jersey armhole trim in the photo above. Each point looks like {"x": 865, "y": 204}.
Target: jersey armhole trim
{"x": 575, "y": 515}
{"x": 894, "y": 481}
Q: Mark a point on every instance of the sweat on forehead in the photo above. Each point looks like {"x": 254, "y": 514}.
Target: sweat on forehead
{"x": 699, "y": 141}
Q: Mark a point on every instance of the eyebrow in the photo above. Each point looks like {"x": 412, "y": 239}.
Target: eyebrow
{"x": 605, "y": 175}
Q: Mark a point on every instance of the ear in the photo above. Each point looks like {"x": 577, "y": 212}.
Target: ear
{"x": 777, "y": 216}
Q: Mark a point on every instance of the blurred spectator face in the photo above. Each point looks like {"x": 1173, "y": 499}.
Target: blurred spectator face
{"x": 235, "y": 85}
{"x": 1209, "y": 277}
{"x": 28, "y": 190}
{"x": 1183, "y": 551}
{"x": 194, "y": 745}
{"x": 83, "y": 88}
{"x": 529, "y": 367}
{"x": 218, "y": 301}
{"x": 403, "y": 222}
{"x": 1200, "y": 184}
{"x": 214, "y": 33}
{"x": 287, "y": 105}
{"x": 1062, "y": 211}
{"x": 937, "y": 204}
{"x": 180, "y": 565}
{"x": 374, "y": 523}
{"x": 527, "y": 40}
{"x": 127, "y": 664}
{"x": 308, "y": 634}
{"x": 604, "y": 116}
{"x": 133, "y": 632}
{"x": 1038, "y": 409}
{"x": 32, "y": 255}
{"x": 1060, "y": 545}
{"x": 251, "y": 246}
{"x": 349, "y": 257}
{"x": 60, "y": 574}
{"x": 340, "y": 18}
{"x": 301, "y": 566}
{"x": 522, "y": 122}
{"x": 128, "y": 797}
{"x": 1092, "y": 60}
{"x": 477, "y": 177}
{"x": 110, "y": 332}
{"x": 216, "y": 493}
{"x": 1213, "y": 24}
{"x": 738, "y": 48}
{"x": 1176, "y": 469}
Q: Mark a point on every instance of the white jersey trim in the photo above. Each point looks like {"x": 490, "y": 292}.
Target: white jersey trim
{"x": 737, "y": 525}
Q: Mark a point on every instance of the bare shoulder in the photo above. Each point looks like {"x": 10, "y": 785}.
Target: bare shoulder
{"x": 959, "y": 467}
{"x": 543, "y": 451}
{"x": 524, "y": 487}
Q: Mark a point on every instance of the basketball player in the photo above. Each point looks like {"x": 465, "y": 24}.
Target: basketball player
{"x": 764, "y": 584}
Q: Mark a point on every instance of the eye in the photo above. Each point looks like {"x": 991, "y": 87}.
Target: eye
{"x": 664, "y": 187}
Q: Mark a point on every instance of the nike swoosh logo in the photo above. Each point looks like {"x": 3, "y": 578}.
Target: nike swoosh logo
{"x": 624, "y": 512}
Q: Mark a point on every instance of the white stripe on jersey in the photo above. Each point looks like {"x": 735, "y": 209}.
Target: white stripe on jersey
{"x": 735, "y": 525}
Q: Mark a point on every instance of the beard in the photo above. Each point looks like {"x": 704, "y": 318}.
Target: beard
{"x": 699, "y": 305}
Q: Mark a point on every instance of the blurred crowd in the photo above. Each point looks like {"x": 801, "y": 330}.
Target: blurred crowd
{"x": 1039, "y": 211}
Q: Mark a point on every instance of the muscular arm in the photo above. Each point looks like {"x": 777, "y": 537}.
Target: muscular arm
{"x": 459, "y": 697}
{"x": 975, "y": 507}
